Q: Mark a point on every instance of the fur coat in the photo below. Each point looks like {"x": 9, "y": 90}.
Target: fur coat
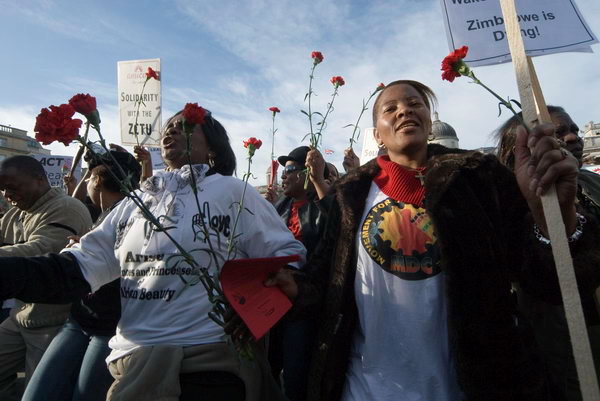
{"x": 484, "y": 234}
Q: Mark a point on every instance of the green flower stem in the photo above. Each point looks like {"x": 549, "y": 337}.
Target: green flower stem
{"x": 312, "y": 72}
{"x": 364, "y": 108}
{"x": 205, "y": 229}
{"x": 505, "y": 103}
{"x": 318, "y": 135}
{"x": 316, "y": 138}
{"x": 231, "y": 244}
{"x": 273, "y": 141}
{"x": 137, "y": 112}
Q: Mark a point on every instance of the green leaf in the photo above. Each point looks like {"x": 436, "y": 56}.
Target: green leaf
{"x": 305, "y": 113}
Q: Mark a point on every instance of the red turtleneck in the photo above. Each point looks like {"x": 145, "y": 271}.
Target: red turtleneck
{"x": 400, "y": 183}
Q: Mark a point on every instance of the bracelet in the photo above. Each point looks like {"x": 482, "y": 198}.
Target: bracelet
{"x": 581, "y": 220}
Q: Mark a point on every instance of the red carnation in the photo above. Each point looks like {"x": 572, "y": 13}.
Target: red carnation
{"x": 337, "y": 81}
{"x": 193, "y": 114}
{"x": 83, "y": 104}
{"x": 57, "y": 124}
{"x": 380, "y": 86}
{"x": 151, "y": 74}
{"x": 317, "y": 57}
{"x": 453, "y": 65}
{"x": 274, "y": 110}
{"x": 252, "y": 144}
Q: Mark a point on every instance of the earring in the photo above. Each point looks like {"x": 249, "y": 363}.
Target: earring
{"x": 211, "y": 159}
{"x": 381, "y": 146}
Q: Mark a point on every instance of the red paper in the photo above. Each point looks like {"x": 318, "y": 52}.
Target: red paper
{"x": 260, "y": 307}
{"x": 274, "y": 166}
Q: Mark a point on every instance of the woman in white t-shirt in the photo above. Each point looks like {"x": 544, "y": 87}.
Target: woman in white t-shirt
{"x": 412, "y": 282}
{"x": 165, "y": 344}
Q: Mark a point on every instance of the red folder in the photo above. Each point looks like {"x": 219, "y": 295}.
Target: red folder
{"x": 260, "y": 307}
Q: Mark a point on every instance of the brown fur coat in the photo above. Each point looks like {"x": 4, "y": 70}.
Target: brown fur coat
{"x": 484, "y": 236}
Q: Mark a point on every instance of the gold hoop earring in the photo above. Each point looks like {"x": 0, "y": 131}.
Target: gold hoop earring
{"x": 211, "y": 159}
{"x": 381, "y": 146}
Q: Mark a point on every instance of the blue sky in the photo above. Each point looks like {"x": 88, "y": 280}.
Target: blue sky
{"x": 238, "y": 58}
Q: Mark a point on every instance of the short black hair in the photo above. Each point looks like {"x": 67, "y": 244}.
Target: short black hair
{"x": 25, "y": 164}
{"x": 218, "y": 142}
{"x": 506, "y": 136}
{"x": 425, "y": 91}
{"x": 100, "y": 165}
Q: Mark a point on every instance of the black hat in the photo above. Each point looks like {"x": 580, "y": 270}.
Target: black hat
{"x": 298, "y": 155}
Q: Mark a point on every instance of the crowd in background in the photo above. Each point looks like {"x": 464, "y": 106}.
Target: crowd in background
{"x": 424, "y": 274}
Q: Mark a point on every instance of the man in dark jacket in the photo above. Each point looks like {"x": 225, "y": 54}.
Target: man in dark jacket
{"x": 305, "y": 215}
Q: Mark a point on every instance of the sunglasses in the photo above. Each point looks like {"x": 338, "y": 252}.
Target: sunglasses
{"x": 290, "y": 169}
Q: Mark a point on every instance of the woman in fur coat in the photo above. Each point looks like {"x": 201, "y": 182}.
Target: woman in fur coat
{"x": 413, "y": 278}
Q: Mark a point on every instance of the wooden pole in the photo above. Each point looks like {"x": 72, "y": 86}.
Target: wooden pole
{"x": 535, "y": 112}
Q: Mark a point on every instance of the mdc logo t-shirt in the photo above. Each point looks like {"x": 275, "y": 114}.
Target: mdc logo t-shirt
{"x": 400, "y": 349}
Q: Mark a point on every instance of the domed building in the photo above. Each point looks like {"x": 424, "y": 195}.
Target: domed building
{"x": 442, "y": 133}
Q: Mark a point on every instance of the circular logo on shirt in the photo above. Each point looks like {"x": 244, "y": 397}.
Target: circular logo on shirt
{"x": 400, "y": 238}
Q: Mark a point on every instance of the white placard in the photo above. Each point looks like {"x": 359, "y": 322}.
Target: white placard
{"x": 131, "y": 79}
{"x": 370, "y": 149}
{"x": 547, "y": 26}
{"x": 56, "y": 167}
{"x": 157, "y": 160}
{"x": 595, "y": 168}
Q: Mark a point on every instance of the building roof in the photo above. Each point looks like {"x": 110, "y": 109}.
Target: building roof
{"x": 440, "y": 129}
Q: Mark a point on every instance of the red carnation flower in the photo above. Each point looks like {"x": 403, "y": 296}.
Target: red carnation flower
{"x": 57, "y": 124}
{"x": 337, "y": 81}
{"x": 453, "y": 65}
{"x": 317, "y": 57}
{"x": 151, "y": 74}
{"x": 256, "y": 143}
{"x": 193, "y": 114}
{"x": 274, "y": 110}
{"x": 380, "y": 86}
{"x": 83, "y": 104}
{"x": 252, "y": 144}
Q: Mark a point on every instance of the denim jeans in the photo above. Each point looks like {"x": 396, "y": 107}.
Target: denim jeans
{"x": 72, "y": 368}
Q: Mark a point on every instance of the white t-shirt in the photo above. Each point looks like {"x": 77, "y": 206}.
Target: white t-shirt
{"x": 400, "y": 348}
{"x": 157, "y": 306}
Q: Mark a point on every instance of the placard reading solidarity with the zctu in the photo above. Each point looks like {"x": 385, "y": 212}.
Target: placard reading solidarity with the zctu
{"x": 547, "y": 26}
{"x": 139, "y": 102}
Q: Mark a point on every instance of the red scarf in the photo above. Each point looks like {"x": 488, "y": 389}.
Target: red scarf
{"x": 400, "y": 183}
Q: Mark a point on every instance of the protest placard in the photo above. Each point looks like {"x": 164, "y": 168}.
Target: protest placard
{"x": 549, "y": 26}
{"x": 139, "y": 113}
{"x": 157, "y": 160}
{"x": 370, "y": 149}
{"x": 56, "y": 167}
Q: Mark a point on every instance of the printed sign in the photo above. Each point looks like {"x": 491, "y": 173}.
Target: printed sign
{"x": 370, "y": 149}
{"x": 549, "y": 26}
{"x": 56, "y": 167}
{"x": 157, "y": 160}
{"x": 139, "y": 113}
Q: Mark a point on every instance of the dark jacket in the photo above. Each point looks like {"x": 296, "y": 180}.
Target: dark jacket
{"x": 479, "y": 215}
{"x": 312, "y": 217}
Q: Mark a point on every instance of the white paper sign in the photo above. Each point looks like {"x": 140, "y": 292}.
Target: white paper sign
{"x": 595, "y": 168}
{"x": 157, "y": 161}
{"x": 139, "y": 113}
{"x": 547, "y": 26}
{"x": 370, "y": 149}
{"x": 56, "y": 167}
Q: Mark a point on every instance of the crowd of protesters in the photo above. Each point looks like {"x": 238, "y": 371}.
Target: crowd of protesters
{"x": 423, "y": 274}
